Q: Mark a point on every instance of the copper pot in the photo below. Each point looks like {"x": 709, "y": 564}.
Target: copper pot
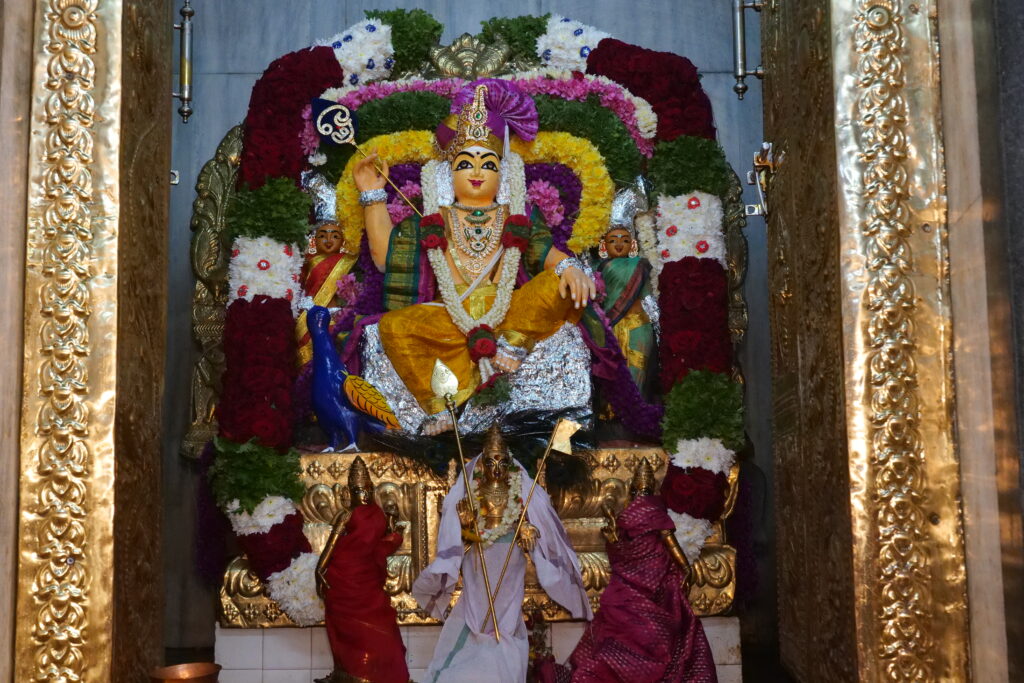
{"x": 196, "y": 672}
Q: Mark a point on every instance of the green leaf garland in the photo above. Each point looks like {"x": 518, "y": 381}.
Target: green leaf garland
{"x": 278, "y": 210}
{"x": 413, "y": 33}
{"x": 704, "y": 404}
{"x": 689, "y": 164}
{"x": 249, "y": 473}
{"x": 595, "y": 123}
{"x": 521, "y": 34}
{"x": 414, "y": 110}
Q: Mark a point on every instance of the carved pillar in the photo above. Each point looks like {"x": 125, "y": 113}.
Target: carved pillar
{"x": 871, "y": 560}
{"x": 88, "y": 600}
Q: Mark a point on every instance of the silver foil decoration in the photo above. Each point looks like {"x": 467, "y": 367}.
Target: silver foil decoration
{"x": 324, "y": 196}
{"x": 650, "y": 306}
{"x": 628, "y": 202}
{"x": 554, "y": 377}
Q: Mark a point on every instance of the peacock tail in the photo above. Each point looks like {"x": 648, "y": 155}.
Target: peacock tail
{"x": 365, "y": 398}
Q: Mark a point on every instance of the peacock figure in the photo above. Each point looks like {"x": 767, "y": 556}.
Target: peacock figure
{"x": 345, "y": 404}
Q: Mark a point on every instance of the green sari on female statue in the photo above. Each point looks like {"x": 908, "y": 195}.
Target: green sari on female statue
{"x": 627, "y": 281}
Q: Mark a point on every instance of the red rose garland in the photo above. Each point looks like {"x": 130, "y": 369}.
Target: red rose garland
{"x": 481, "y": 343}
{"x": 666, "y": 80}
{"x": 273, "y": 551}
{"x": 697, "y": 492}
{"x": 270, "y": 141}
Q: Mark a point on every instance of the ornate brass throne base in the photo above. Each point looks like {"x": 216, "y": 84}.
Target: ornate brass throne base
{"x": 418, "y": 492}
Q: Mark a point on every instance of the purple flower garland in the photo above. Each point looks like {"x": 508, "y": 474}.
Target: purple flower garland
{"x": 569, "y": 186}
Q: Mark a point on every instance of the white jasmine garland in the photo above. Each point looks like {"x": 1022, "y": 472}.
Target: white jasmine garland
{"x": 261, "y": 265}
{"x": 317, "y": 159}
{"x": 512, "y": 189}
{"x": 691, "y": 534}
{"x": 647, "y": 235}
{"x": 294, "y": 590}
{"x": 446, "y": 285}
{"x": 690, "y": 225}
{"x": 709, "y": 454}
{"x": 566, "y": 44}
{"x": 510, "y": 516}
{"x": 271, "y": 511}
{"x": 364, "y": 51}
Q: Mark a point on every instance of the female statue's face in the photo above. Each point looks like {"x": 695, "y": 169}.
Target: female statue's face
{"x": 618, "y": 242}
{"x": 476, "y": 173}
{"x": 328, "y": 239}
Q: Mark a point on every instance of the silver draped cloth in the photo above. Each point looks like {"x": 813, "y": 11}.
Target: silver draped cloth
{"x": 467, "y": 650}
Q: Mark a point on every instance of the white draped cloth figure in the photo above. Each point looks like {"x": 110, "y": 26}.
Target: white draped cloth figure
{"x": 467, "y": 650}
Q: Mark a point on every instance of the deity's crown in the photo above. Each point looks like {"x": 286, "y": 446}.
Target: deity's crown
{"x": 359, "y": 475}
{"x": 483, "y": 114}
{"x": 643, "y": 479}
{"x": 494, "y": 442}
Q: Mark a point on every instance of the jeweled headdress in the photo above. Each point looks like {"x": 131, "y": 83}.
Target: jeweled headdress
{"x": 484, "y": 113}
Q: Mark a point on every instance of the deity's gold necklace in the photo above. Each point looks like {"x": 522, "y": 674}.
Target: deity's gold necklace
{"x": 476, "y": 242}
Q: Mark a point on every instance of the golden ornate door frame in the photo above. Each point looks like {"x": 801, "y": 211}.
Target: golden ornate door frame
{"x": 88, "y": 587}
{"x": 871, "y": 557}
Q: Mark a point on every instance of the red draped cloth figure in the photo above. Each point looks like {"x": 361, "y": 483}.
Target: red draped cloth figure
{"x": 645, "y": 630}
{"x": 362, "y": 626}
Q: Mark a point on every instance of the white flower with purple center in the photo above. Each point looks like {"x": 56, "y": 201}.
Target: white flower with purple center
{"x": 566, "y": 44}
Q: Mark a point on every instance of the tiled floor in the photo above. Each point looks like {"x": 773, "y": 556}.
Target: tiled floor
{"x": 292, "y": 655}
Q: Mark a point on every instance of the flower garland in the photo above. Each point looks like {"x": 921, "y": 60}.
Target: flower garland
{"x": 709, "y": 454}
{"x": 566, "y": 44}
{"x": 548, "y": 199}
{"x": 270, "y": 511}
{"x": 446, "y": 286}
{"x": 668, "y": 81}
{"x": 364, "y": 51}
{"x": 690, "y": 225}
{"x": 513, "y": 508}
{"x": 270, "y": 141}
{"x": 569, "y": 188}
{"x": 294, "y": 590}
{"x": 580, "y": 156}
{"x": 691, "y": 533}
{"x": 413, "y": 146}
{"x": 264, "y": 267}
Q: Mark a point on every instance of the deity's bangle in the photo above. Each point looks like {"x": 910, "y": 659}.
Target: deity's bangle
{"x": 567, "y": 263}
{"x": 369, "y": 197}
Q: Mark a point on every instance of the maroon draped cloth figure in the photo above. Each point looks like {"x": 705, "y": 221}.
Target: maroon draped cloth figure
{"x": 645, "y": 630}
{"x": 362, "y": 626}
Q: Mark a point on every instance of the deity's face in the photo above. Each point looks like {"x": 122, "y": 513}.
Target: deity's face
{"x": 360, "y": 495}
{"x": 636, "y": 490}
{"x": 476, "y": 174}
{"x": 328, "y": 239}
{"x": 618, "y": 242}
{"x": 495, "y": 464}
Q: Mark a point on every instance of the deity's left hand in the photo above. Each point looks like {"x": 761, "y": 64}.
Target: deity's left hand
{"x": 577, "y": 283}
{"x": 528, "y": 537}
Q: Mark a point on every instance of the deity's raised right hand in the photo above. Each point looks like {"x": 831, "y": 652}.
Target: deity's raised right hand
{"x": 370, "y": 173}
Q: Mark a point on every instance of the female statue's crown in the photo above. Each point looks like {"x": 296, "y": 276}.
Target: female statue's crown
{"x": 359, "y": 475}
{"x": 483, "y": 113}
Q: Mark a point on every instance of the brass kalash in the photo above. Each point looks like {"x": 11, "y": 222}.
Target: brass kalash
{"x": 413, "y": 489}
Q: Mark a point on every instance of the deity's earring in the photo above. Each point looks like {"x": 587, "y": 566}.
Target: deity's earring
{"x": 602, "y": 249}
{"x": 634, "y": 249}
{"x": 311, "y": 245}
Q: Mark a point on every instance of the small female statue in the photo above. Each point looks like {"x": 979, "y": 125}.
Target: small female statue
{"x": 492, "y": 285}
{"x": 644, "y": 630}
{"x": 627, "y": 280}
{"x": 320, "y": 274}
{"x": 362, "y": 626}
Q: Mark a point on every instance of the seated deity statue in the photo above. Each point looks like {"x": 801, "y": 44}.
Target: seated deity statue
{"x": 477, "y": 285}
{"x": 469, "y": 649}
{"x": 362, "y": 626}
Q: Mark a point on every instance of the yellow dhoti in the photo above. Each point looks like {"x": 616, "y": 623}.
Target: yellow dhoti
{"x": 414, "y": 336}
